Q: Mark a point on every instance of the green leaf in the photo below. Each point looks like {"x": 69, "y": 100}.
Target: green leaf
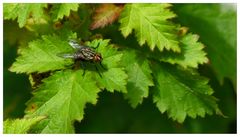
{"x": 151, "y": 25}
{"x": 41, "y": 55}
{"x": 114, "y": 77}
{"x": 217, "y": 26}
{"x": 61, "y": 10}
{"x": 139, "y": 76}
{"x": 191, "y": 55}
{"x": 62, "y": 98}
{"x": 182, "y": 93}
{"x": 20, "y": 126}
{"x": 23, "y": 11}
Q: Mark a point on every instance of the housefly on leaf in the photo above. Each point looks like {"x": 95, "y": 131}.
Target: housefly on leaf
{"x": 83, "y": 54}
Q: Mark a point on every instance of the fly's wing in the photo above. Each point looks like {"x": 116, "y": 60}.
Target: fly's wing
{"x": 76, "y": 55}
{"x": 74, "y": 44}
{"x": 66, "y": 55}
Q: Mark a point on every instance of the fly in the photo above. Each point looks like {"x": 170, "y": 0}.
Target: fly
{"x": 83, "y": 53}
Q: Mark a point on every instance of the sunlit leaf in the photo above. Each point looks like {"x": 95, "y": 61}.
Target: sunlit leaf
{"x": 23, "y": 11}
{"x": 61, "y": 10}
{"x": 191, "y": 55}
{"x": 41, "y": 55}
{"x": 62, "y": 98}
{"x": 20, "y": 126}
{"x": 151, "y": 25}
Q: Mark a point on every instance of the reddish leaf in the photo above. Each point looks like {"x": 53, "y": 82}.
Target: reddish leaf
{"x": 105, "y": 14}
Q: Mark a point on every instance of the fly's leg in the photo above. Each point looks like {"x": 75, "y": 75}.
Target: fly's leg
{"x": 102, "y": 66}
{"x": 76, "y": 64}
{"x": 98, "y": 71}
{"x": 83, "y": 72}
{"x": 83, "y": 66}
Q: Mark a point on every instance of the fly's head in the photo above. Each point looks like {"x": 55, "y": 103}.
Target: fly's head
{"x": 97, "y": 57}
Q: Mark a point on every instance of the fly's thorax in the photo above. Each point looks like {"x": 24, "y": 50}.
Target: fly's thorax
{"x": 88, "y": 53}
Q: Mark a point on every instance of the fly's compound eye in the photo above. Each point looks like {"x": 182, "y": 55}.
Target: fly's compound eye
{"x": 97, "y": 58}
